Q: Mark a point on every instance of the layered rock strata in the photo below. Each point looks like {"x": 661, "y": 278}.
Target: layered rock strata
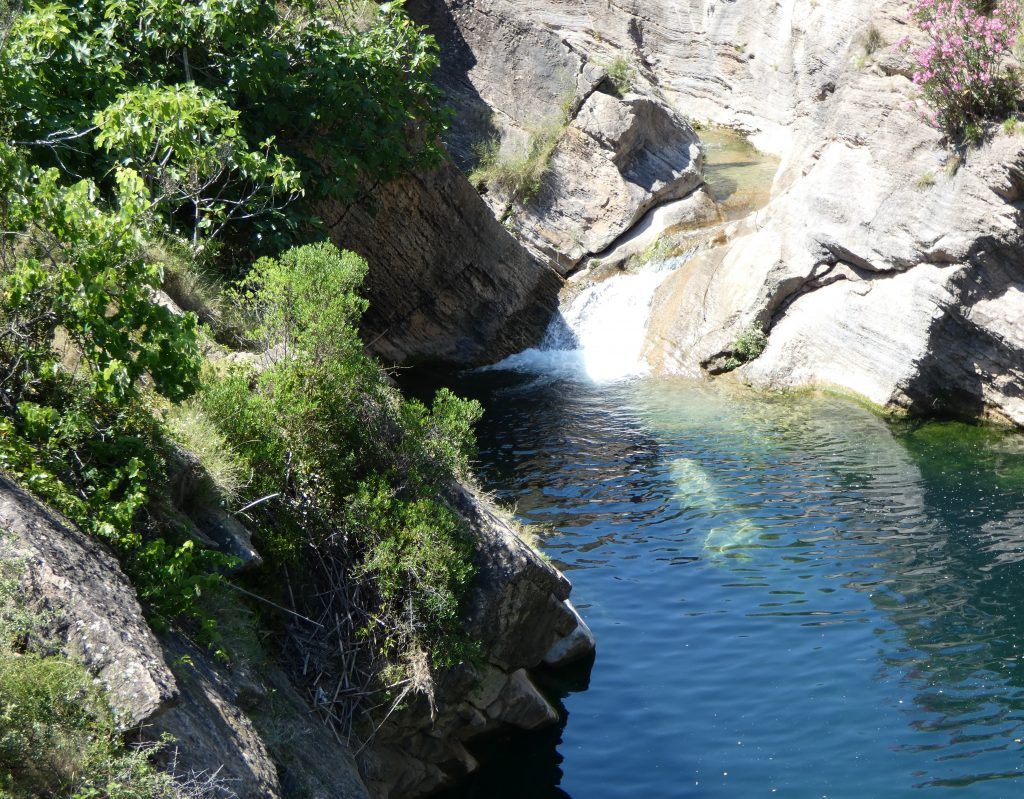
{"x": 887, "y": 262}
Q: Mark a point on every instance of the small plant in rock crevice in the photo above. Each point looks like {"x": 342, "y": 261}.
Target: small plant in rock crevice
{"x": 748, "y": 346}
{"x": 925, "y": 181}
{"x": 518, "y": 176}
{"x": 621, "y": 73}
{"x": 873, "y": 41}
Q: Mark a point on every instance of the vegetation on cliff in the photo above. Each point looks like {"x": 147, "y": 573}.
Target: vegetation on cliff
{"x": 145, "y": 144}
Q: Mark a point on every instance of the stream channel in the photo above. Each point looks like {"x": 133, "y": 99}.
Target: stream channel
{"x": 792, "y": 596}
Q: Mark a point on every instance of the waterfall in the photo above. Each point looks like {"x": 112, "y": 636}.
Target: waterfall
{"x": 600, "y": 335}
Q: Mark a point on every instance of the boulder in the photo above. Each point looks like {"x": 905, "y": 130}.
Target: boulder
{"x": 577, "y": 645}
{"x": 614, "y": 162}
{"x": 88, "y": 605}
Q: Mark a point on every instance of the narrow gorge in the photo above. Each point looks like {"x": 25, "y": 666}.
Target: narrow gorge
{"x": 617, "y": 398}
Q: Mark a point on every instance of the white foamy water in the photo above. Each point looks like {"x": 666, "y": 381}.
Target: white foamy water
{"x": 601, "y": 334}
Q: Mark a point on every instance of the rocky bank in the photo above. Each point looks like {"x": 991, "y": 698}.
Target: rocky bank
{"x": 885, "y": 263}
{"x": 248, "y": 721}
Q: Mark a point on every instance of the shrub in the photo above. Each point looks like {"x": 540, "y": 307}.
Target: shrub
{"x": 621, "y": 74}
{"x": 359, "y": 475}
{"x": 751, "y": 342}
{"x": 963, "y": 71}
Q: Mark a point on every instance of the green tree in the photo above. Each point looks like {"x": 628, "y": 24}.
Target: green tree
{"x": 216, "y": 102}
{"x": 80, "y": 334}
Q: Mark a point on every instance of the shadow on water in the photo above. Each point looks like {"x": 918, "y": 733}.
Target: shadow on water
{"x": 789, "y": 593}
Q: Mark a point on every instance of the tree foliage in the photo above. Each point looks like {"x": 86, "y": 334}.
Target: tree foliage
{"x": 79, "y": 333}
{"x": 228, "y": 108}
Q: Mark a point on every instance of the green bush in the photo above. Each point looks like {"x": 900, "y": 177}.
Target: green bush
{"x": 356, "y": 471}
{"x": 748, "y": 346}
{"x": 81, "y": 336}
{"x": 518, "y": 177}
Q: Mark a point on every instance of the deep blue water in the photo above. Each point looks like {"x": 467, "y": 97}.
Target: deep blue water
{"x": 791, "y": 596}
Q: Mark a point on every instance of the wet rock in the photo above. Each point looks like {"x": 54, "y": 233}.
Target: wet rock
{"x": 577, "y": 645}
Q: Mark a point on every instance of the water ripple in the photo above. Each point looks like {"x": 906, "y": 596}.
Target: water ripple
{"x": 790, "y": 595}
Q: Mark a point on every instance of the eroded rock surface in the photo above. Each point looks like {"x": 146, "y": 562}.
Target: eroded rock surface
{"x": 616, "y": 160}
{"x": 87, "y": 605}
{"x": 512, "y": 75}
{"x": 884, "y": 263}
{"x": 446, "y": 282}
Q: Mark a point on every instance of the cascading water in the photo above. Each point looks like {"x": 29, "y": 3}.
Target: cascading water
{"x": 600, "y": 335}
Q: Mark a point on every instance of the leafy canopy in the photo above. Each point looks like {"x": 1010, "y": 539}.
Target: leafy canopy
{"x": 79, "y": 334}
{"x": 227, "y": 108}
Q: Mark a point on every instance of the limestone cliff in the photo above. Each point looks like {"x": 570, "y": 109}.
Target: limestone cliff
{"x": 884, "y": 263}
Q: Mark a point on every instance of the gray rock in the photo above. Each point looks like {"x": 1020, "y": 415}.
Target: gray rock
{"x": 211, "y": 733}
{"x": 521, "y": 705}
{"x": 577, "y": 645}
{"x": 447, "y": 282}
{"x": 93, "y": 610}
{"x": 617, "y": 160}
{"x": 878, "y": 266}
{"x": 229, "y": 534}
{"x": 517, "y": 608}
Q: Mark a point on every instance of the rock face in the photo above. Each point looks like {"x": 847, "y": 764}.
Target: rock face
{"x": 905, "y": 290}
{"x": 447, "y": 282}
{"x": 513, "y": 77}
{"x": 616, "y": 160}
{"x": 884, "y": 264}
{"x": 244, "y": 721}
{"x": 87, "y": 603}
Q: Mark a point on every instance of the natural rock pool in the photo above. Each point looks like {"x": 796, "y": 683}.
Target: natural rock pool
{"x": 791, "y": 596}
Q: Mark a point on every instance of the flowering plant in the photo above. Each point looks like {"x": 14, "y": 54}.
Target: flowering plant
{"x": 962, "y": 71}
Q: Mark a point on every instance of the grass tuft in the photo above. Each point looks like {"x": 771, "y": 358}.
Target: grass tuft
{"x": 519, "y": 176}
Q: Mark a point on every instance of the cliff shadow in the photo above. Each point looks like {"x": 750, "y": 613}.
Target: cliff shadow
{"x": 963, "y": 357}
{"x": 473, "y": 121}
